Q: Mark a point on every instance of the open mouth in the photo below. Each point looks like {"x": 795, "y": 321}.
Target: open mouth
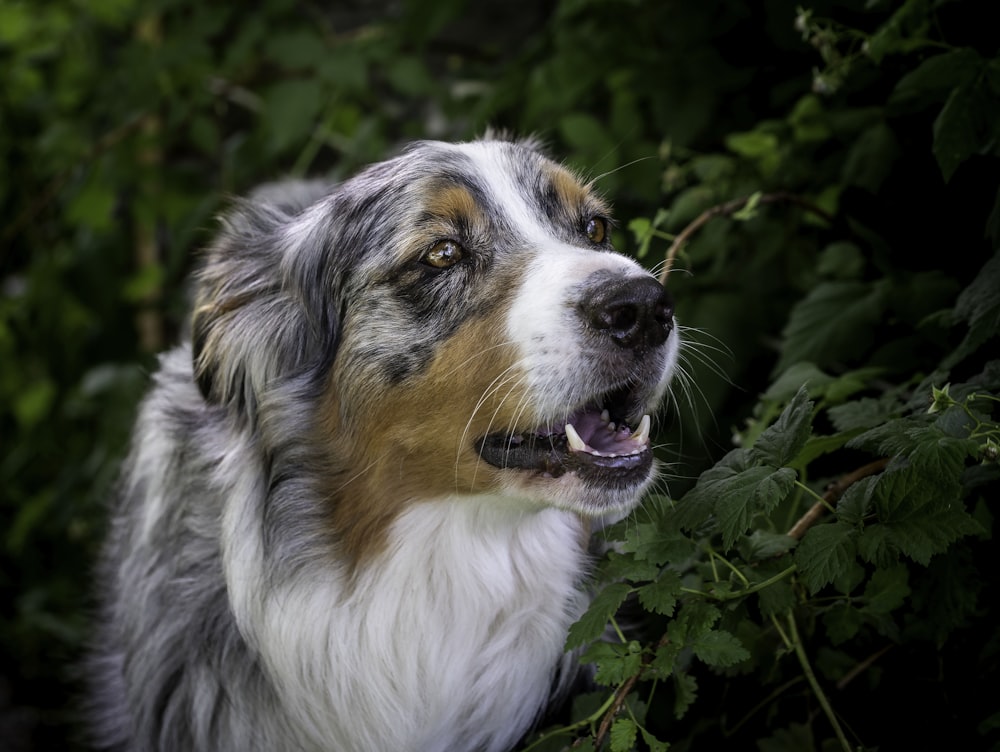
{"x": 597, "y": 442}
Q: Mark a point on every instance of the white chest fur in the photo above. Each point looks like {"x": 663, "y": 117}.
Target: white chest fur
{"x": 452, "y": 639}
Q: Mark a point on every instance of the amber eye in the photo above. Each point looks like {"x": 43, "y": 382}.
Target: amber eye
{"x": 597, "y": 230}
{"x": 444, "y": 254}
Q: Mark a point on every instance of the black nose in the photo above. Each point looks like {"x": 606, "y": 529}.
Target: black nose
{"x": 635, "y": 312}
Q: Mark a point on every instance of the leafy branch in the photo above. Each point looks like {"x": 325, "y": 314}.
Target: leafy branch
{"x": 742, "y": 207}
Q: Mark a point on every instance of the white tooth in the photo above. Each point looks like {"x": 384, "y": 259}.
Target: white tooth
{"x": 611, "y": 426}
{"x": 605, "y": 416}
{"x": 641, "y": 435}
{"x": 574, "y": 440}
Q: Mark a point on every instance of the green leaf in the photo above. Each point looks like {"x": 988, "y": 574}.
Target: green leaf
{"x": 887, "y": 590}
{"x": 591, "y": 625}
{"x": 302, "y": 48}
{"x": 935, "y": 78}
{"x": 685, "y": 693}
{"x": 654, "y": 744}
{"x": 966, "y": 125}
{"x": 855, "y": 503}
{"x": 615, "y": 662}
{"x": 979, "y": 306}
{"x": 833, "y": 322}
{"x": 842, "y": 622}
{"x": 34, "y": 403}
{"x": 658, "y": 542}
{"x": 776, "y": 599}
{"x": 863, "y": 413}
{"x": 763, "y": 544}
{"x": 824, "y": 553}
{"x": 920, "y": 536}
{"x": 660, "y": 596}
{"x": 720, "y": 648}
{"x": 741, "y": 497}
{"x": 794, "y": 378}
{"x": 291, "y": 109}
{"x": 779, "y": 444}
{"x": 623, "y": 735}
{"x": 664, "y": 660}
{"x": 698, "y": 504}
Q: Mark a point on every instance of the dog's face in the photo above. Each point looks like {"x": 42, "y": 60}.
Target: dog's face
{"x": 454, "y": 322}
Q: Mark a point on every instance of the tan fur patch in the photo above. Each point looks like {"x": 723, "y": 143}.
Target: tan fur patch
{"x": 573, "y": 193}
{"x": 418, "y": 443}
{"x": 454, "y": 204}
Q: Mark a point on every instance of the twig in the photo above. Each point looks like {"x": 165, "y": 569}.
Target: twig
{"x": 621, "y": 693}
{"x": 862, "y": 667}
{"x": 833, "y": 492}
{"x": 728, "y": 208}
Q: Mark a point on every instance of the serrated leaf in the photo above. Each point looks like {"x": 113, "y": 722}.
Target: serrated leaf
{"x": 685, "y": 693}
{"x": 778, "y": 445}
{"x": 920, "y": 536}
{"x": 833, "y": 322}
{"x": 776, "y": 599}
{"x": 793, "y": 378}
{"x": 855, "y": 503}
{"x": 864, "y": 413}
{"x": 825, "y": 552}
{"x": 660, "y": 596}
{"x": 875, "y": 547}
{"x": 659, "y": 542}
{"x": 720, "y": 648}
{"x": 591, "y": 625}
{"x": 663, "y": 661}
{"x": 741, "y": 497}
{"x": 887, "y": 590}
{"x": 966, "y": 125}
{"x": 623, "y": 735}
{"x": 654, "y": 744}
{"x": 979, "y": 306}
{"x": 842, "y": 622}
{"x": 698, "y": 504}
{"x": 625, "y": 566}
{"x": 935, "y": 78}
{"x": 763, "y": 544}
{"x": 615, "y": 662}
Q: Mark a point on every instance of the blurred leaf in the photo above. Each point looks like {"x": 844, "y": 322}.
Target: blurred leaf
{"x": 968, "y": 124}
{"x": 290, "y": 111}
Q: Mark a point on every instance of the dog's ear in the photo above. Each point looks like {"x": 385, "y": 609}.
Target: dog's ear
{"x": 260, "y": 317}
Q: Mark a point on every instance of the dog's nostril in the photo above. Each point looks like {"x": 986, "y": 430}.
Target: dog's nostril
{"x": 635, "y": 313}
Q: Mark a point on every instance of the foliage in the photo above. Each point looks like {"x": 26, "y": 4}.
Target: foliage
{"x": 823, "y": 555}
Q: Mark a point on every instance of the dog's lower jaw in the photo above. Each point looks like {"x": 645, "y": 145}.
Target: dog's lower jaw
{"x": 493, "y": 586}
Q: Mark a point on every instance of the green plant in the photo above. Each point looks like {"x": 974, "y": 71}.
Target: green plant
{"x": 834, "y": 551}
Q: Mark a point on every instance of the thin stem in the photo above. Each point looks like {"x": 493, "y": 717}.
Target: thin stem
{"x": 833, "y": 493}
{"x": 800, "y": 653}
{"x": 727, "y": 209}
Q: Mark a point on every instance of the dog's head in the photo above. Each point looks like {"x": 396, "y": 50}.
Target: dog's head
{"x": 450, "y": 322}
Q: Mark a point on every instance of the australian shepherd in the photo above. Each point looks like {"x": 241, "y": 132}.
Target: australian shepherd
{"x": 356, "y": 511}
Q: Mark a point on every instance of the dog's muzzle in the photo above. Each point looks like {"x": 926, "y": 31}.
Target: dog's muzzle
{"x": 626, "y": 323}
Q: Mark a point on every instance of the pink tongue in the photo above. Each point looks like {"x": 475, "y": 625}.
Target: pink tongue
{"x": 595, "y": 432}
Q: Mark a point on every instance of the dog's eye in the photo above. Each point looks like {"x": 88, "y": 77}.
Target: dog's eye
{"x": 597, "y": 230}
{"x": 444, "y": 254}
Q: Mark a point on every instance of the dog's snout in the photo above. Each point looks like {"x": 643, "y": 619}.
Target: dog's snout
{"x": 636, "y": 312}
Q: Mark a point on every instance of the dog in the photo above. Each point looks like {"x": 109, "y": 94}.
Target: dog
{"x": 356, "y": 509}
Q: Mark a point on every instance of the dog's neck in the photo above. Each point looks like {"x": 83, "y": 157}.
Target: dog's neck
{"x": 493, "y": 584}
